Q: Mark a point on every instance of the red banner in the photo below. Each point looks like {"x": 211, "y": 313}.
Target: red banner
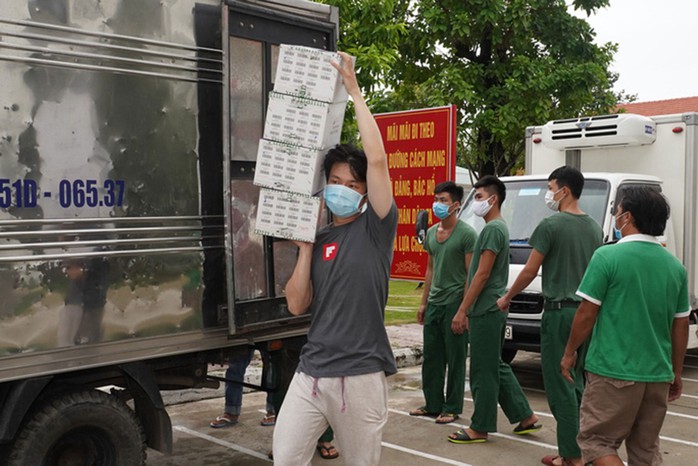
{"x": 421, "y": 148}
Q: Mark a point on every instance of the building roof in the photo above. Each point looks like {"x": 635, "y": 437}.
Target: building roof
{"x": 662, "y": 107}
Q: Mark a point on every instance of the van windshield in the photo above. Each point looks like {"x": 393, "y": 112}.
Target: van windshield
{"x": 525, "y": 207}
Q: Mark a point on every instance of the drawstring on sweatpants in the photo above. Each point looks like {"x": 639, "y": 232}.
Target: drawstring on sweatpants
{"x": 344, "y": 404}
{"x": 315, "y": 381}
{"x": 315, "y": 385}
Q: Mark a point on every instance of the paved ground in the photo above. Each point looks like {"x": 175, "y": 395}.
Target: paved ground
{"x": 408, "y": 440}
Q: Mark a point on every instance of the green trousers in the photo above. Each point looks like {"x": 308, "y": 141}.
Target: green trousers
{"x": 491, "y": 380}
{"x": 564, "y": 398}
{"x": 443, "y": 351}
{"x": 327, "y": 436}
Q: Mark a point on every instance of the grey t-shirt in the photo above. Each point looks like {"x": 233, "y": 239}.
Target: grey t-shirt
{"x": 350, "y": 272}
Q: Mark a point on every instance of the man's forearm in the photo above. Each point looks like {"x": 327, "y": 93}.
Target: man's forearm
{"x": 679, "y": 342}
{"x": 524, "y": 279}
{"x": 472, "y": 291}
{"x": 299, "y": 289}
{"x": 582, "y": 326}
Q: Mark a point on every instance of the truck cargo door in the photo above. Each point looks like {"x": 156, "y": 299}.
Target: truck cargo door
{"x": 258, "y": 267}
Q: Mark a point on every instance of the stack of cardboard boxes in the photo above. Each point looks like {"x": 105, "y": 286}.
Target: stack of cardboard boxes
{"x": 304, "y": 119}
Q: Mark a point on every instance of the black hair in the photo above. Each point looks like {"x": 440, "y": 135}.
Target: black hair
{"x": 648, "y": 206}
{"x": 346, "y": 153}
{"x": 492, "y": 185}
{"x": 569, "y": 177}
{"x": 455, "y": 191}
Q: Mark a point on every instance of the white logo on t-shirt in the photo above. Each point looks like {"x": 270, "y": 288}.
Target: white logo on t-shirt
{"x": 329, "y": 251}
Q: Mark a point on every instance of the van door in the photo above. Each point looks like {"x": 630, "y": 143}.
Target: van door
{"x": 258, "y": 267}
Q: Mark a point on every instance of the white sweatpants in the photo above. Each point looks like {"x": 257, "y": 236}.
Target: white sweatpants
{"x": 356, "y": 407}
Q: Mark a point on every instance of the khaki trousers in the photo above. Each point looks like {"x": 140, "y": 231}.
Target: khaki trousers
{"x": 615, "y": 410}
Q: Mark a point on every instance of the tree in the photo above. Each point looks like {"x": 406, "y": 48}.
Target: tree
{"x": 506, "y": 64}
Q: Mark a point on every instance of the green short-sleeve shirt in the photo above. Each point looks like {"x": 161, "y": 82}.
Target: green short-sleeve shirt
{"x": 567, "y": 241}
{"x": 449, "y": 274}
{"x": 493, "y": 237}
{"x": 640, "y": 288}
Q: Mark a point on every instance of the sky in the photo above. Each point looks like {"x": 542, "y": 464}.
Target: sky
{"x": 657, "y": 56}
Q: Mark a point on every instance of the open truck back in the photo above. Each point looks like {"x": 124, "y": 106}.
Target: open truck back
{"x": 128, "y": 139}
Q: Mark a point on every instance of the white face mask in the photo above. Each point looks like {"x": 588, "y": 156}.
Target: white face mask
{"x": 481, "y": 207}
{"x": 550, "y": 200}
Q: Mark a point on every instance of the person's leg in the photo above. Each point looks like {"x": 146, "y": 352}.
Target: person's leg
{"x": 510, "y": 395}
{"x": 300, "y": 422}
{"x": 327, "y": 436}
{"x": 485, "y": 354}
{"x": 324, "y": 445}
{"x": 269, "y": 418}
{"x": 237, "y": 365}
{"x": 606, "y": 417}
{"x": 642, "y": 444}
{"x": 456, "y": 347}
{"x": 564, "y": 398}
{"x": 434, "y": 360}
{"x": 359, "y": 426}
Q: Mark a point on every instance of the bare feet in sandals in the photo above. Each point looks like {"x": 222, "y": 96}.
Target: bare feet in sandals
{"x": 467, "y": 436}
{"x": 224, "y": 420}
{"x": 327, "y": 451}
{"x": 268, "y": 420}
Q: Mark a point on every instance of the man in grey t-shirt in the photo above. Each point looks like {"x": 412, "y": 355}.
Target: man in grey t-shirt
{"x": 343, "y": 280}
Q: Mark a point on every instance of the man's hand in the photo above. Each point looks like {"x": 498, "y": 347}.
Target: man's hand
{"x": 459, "y": 324}
{"x": 503, "y": 303}
{"x": 420, "y": 314}
{"x": 675, "y": 389}
{"x": 346, "y": 69}
{"x": 567, "y": 364}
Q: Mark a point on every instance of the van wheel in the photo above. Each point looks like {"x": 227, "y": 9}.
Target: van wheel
{"x": 508, "y": 355}
{"x": 80, "y": 428}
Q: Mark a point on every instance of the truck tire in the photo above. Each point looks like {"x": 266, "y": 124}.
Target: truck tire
{"x": 81, "y": 428}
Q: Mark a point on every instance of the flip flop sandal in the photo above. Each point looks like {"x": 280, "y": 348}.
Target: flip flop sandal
{"x": 529, "y": 429}
{"x": 446, "y": 418}
{"x": 325, "y": 452}
{"x": 268, "y": 420}
{"x": 463, "y": 438}
{"x": 224, "y": 421}
{"x": 422, "y": 411}
{"x": 549, "y": 460}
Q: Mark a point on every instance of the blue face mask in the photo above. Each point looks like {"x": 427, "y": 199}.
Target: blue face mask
{"x": 342, "y": 201}
{"x": 618, "y": 233}
{"x": 440, "y": 210}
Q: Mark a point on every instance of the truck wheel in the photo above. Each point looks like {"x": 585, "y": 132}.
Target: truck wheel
{"x": 508, "y": 355}
{"x": 80, "y": 428}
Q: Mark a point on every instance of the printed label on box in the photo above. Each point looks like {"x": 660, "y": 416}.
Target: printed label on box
{"x": 287, "y": 215}
{"x": 307, "y": 72}
{"x": 289, "y": 168}
{"x": 303, "y": 122}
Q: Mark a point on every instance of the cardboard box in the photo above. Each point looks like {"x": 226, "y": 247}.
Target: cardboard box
{"x": 289, "y": 168}
{"x": 306, "y": 72}
{"x": 287, "y": 215}
{"x": 303, "y": 122}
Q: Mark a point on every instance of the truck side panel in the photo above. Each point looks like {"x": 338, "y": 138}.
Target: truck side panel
{"x": 671, "y": 157}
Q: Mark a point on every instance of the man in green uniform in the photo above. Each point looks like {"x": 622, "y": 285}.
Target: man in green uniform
{"x": 635, "y": 300}
{"x": 491, "y": 379}
{"x": 563, "y": 245}
{"x": 449, "y": 244}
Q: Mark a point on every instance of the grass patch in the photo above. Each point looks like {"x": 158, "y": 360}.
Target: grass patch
{"x": 403, "y": 301}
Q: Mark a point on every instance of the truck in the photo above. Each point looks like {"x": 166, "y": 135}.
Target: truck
{"x": 128, "y": 257}
{"x": 612, "y": 151}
